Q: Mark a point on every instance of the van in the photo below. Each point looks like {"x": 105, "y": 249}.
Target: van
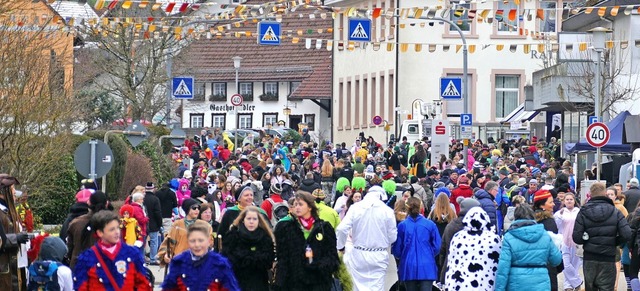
{"x": 412, "y": 129}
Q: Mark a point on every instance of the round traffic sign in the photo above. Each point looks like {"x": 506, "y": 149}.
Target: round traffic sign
{"x": 377, "y": 120}
{"x": 236, "y": 100}
{"x": 598, "y": 134}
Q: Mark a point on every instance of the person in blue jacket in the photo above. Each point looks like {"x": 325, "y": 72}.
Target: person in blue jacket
{"x": 487, "y": 199}
{"x": 417, "y": 245}
{"x": 526, "y": 251}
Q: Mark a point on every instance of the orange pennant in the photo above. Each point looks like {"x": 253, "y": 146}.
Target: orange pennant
{"x": 614, "y": 11}
{"x": 143, "y": 4}
{"x": 126, "y": 4}
{"x": 602, "y": 11}
{"x": 512, "y": 15}
{"x": 540, "y": 14}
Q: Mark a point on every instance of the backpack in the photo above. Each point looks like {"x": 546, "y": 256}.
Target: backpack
{"x": 43, "y": 276}
{"x": 279, "y": 210}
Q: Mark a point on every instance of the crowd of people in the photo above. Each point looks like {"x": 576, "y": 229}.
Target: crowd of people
{"x": 274, "y": 215}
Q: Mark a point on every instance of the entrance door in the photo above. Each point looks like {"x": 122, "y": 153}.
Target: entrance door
{"x": 294, "y": 120}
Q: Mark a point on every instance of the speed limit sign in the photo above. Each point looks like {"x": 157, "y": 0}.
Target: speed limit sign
{"x": 598, "y": 134}
{"x": 236, "y": 100}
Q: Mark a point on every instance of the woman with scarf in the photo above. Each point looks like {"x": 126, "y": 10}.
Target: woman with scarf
{"x": 474, "y": 253}
{"x": 249, "y": 247}
{"x": 306, "y": 248}
{"x": 565, "y": 219}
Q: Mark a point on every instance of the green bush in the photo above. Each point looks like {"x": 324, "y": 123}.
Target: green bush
{"x": 163, "y": 167}
{"x": 52, "y": 203}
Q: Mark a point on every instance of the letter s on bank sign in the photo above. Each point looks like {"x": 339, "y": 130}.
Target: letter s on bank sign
{"x": 440, "y": 129}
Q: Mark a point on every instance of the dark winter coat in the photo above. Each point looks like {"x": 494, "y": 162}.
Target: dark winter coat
{"x": 230, "y": 214}
{"x": 168, "y": 201}
{"x": 451, "y": 229}
{"x": 78, "y": 239}
{"x": 251, "y": 254}
{"x": 632, "y": 198}
{"x": 487, "y": 202}
{"x": 605, "y": 226}
{"x": 154, "y": 212}
{"x": 309, "y": 185}
{"x": 293, "y": 271}
{"x": 75, "y": 210}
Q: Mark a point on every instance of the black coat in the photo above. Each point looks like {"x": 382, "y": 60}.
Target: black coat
{"x": 154, "y": 212}
{"x": 77, "y": 209}
{"x": 309, "y": 185}
{"x": 168, "y": 201}
{"x": 632, "y": 198}
{"x": 294, "y": 272}
{"x": 606, "y": 228}
{"x": 251, "y": 256}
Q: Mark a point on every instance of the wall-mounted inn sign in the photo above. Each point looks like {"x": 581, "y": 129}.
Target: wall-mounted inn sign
{"x": 225, "y": 107}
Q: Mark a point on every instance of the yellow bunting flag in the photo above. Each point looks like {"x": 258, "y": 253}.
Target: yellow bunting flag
{"x": 126, "y": 4}
{"x": 588, "y": 10}
{"x": 404, "y": 47}
{"x": 499, "y": 47}
{"x": 609, "y": 44}
{"x": 99, "y": 4}
{"x": 614, "y": 11}
{"x": 390, "y": 46}
{"x": 329, "y": 45}
{"x": 526, "y": 49}
{"x": 417, "y": 48}
{"x": 540, "y": 48}
{"x": 458, "y": 47}
{"x": 602, "y": 11}
{"x": 472, "y": 48}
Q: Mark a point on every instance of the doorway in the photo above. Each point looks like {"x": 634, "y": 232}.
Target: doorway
{"x": 294, "y": 120}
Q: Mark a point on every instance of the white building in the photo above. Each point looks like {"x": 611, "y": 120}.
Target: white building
{"x": 288, "y": 82}
{"x": 385, "y": 79}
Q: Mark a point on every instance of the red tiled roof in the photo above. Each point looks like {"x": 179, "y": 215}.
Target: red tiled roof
{"x": 210, "y": 60}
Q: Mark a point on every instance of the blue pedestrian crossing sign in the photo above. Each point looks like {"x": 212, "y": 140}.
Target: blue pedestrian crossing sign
{"x": 359, "y": 29}
{"x": 269, "y": 33}
{"x": 451, "y": 88}
{"x": 182, "y": 87}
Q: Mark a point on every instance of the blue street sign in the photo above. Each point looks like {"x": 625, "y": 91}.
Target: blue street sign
{"x": 450, "y": 88}
{"x": 269, "y": 33}
{"x": 359, "y": 29}
{"x": 183, "y": 87}
{"x": 466, "y": 119}
{"x": 592, "y": 119}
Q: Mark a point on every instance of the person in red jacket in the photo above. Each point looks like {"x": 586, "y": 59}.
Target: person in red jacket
{"x": 462, "y": 191}
{"x": 138, "y": 213}
{"x": 224, "y": 153}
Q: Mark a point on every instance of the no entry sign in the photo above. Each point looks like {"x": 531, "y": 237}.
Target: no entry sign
{"x": 598, "y": 134}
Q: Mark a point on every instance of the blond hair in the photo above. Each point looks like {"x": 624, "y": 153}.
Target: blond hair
{"x": 327, "y": 168}
{"x": 442, "y": 210}
{"x": 597, "y": 189}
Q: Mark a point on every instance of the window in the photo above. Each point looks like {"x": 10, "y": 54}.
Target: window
{"x": 219, "y": 89}
{"x": 293, "y": 86}
{"x": 270, "y": 91}
{"x": 271, "y": 88}
{"x": 245, "y": 120}
{"x": 269, "y": 119}
{"x": 196, "y": 120}
{"x": 507, "y": 91}
{"x": 310, "y": 119}
{"x": 510, "y": 16}
{"x": 548, "y": 23}
{"x": 459, "y": 15}
{"x": 246, "y": 90}
{"x": 219, "y": 120}
{"x": 199, "y": 89}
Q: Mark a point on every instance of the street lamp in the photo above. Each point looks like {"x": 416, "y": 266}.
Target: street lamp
{"x": 286, "y": 111}
{"x": 236, "y": 64}
{"x": 599, "y": 35}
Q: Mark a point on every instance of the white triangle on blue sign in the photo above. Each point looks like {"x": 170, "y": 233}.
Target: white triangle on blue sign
{"x": 451, "y": 90}
{"x": 270, "y": 35}
{"x": 182, "y": 90}
{"x": 359, "y": 32}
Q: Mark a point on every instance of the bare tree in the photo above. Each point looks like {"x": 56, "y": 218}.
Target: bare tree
{"x": 36, "y": 104}
{"x": 131, "y": 60}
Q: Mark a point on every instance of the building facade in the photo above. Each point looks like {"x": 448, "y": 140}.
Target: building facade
{"x": 411, "y": 55}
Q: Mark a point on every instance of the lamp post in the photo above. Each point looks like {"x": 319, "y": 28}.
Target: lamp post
{"x": 236, "y": 64}
{"x": 599, "y": 37}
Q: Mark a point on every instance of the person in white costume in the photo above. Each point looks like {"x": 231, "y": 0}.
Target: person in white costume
{"x": 373, "y": 227}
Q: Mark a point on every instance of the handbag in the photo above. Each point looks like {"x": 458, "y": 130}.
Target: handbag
{"x": 579, "y": 251}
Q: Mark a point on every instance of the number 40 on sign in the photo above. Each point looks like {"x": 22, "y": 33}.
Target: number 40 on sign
{"x": 598, "y": 134}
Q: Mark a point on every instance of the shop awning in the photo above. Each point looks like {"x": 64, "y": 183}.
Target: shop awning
{"x": 519, "y": 115}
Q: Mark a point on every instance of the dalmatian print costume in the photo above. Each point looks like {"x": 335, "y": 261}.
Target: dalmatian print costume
{"x": 474, "y": 254}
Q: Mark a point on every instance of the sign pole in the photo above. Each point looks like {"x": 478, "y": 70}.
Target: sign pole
{"x": 597, "y": 113}
{"x": 92, "y": 171}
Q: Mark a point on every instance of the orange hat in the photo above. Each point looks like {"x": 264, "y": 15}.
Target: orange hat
{"x": 541, "y": 195}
